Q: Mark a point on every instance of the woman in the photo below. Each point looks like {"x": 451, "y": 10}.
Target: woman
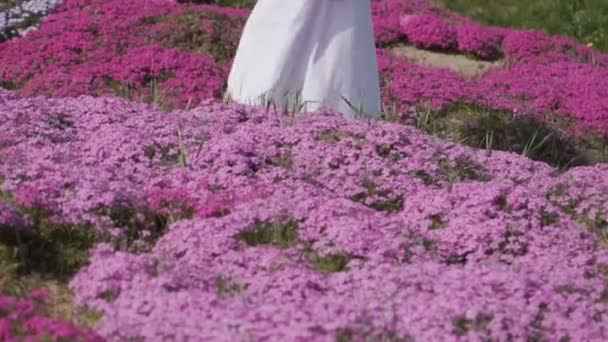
{"x": 307, "y": 54}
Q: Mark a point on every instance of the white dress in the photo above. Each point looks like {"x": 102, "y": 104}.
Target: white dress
{"x": 308, "y": 54}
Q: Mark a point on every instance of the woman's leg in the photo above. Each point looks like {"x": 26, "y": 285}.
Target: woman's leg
{"x": 342, "y": 72}
{"x": 318, "y": 52}
{"x": 272, "y": 52}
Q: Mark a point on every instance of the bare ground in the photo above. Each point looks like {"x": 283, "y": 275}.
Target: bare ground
{"x": 459, "y": 63}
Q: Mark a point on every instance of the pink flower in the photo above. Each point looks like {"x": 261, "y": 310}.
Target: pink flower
{"x": 429, "y": 31}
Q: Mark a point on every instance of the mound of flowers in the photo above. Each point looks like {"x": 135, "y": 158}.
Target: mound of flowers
{"x": 172, "y": 55}
{"x": 234, "y": 223}
{"x": 543, "y": 76}
{"x": 143, "y": 50}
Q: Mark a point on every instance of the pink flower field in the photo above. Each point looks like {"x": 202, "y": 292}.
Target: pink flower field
{"x": 175, "y": 217}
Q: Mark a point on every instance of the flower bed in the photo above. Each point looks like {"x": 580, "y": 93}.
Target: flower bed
{"x": 317, "y": 228}
{"x": 171, "y": 55}
{"x": 232, "y": 223}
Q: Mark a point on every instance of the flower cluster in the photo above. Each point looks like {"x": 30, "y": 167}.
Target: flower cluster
{"x": 219, "y": 222}
{"x": 569, "y": 89}
{"x": 313, "y": 228}
{"x": 428, "y": 31}
{"x": 480, "y": 41}
{"x": 388, "y": 17}
{"x": 407, "y": 83}
{"x": 138, "y": 50}
{"x": 171, "y": 55}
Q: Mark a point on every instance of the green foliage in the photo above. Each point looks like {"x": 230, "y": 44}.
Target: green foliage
{"x": 389, "y": 151}
{"x": 584, "y": 20}
{"x": 119, "y": 89}
{"x": 437, "y": 222}
{"x": 236, "y": 3}
{"x": 329, "y": 136}
{"x": 46, "y": 247}
{"x": 424, "y": 176}
{"x": 45, "y": 255}
{"x": 142, "y": 227}
{"x": 200, "y": 31}
{"x": 595, "y": 222}
{"x": 604, "y": 295}
{"x": 334, "y": 136}
{"x": 378, "y": 199}
{"x": 598, "y": 224}
{"x": 155, "y": 95}
{"x": 330, "y": 263}
{"x": 230, "y": 3}
{"x": 489, "y": 129}
{"x": 282, "y": 233}
{"x": 284, "y": 160}
{"x": 462, "y": 169}
{"x": 60, "y": 306}
{"x": 367, "y": 334}
{"x": 227, "y": 287}
{"x": 10, "y": 85}
{"x": 463, "y": 325}
{"x": 502, "y": 203}
{"x": 548, "y": 218}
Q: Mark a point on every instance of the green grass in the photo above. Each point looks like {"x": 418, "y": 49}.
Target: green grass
{"x": 594, "y": 220}
{"x": 45, "y": 257}
{"x": 331, "y": 263}
{"x": 463, "y": 325}
{"x": 188, "y": 34}
{"x": 488, "y": 129}
{"x": 227, "y": 287}
{"x": 368, "y": 334}
{"x": 47, "y": 253}
{"x": 236, "y": 3}
{"x": 584, "y": 20}
{"x": 231, "y": 3}
{"x": 282, "y": 233}
{"x": 378, "y": 199}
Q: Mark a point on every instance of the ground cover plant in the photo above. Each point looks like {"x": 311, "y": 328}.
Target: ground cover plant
{"x": 164, "y": 214}
{"x": 259, "y": 222}
{"x": 174, "y": 54}
{"x": 584, "y": 20}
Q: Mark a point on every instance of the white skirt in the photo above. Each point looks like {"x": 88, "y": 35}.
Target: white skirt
{"x": 307, "y": 54}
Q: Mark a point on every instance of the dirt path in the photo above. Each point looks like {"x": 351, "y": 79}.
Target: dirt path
{"x": 459, "y": 63}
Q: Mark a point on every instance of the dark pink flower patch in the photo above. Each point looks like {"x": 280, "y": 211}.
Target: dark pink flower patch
{"x": 480, "y": 41}
{"x": 410, "y": 84}
{"x": 428, "y": 31}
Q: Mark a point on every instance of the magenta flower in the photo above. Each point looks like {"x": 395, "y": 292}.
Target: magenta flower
{"x": 429, "y": 31}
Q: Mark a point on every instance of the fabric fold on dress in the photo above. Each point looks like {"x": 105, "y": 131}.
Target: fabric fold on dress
{"x": 308, "y": 54}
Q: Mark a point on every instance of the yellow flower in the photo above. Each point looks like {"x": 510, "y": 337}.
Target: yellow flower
{"x": 590, "y": 44}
